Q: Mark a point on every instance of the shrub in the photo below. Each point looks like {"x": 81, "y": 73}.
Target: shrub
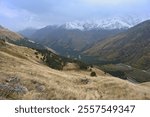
{"x": 37, "y": 56}
{"x": 36, "y": 53}
{"x": 93, "y": 74}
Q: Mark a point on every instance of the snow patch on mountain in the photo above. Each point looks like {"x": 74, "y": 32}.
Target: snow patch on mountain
{"x": 107, "y": 23}
{"x": 73, "y": 25}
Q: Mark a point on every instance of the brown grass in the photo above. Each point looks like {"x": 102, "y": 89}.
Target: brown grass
{"x": 7, "y": 34}
{"x": 43, "y": 82}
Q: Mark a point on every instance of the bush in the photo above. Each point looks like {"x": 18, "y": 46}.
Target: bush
{"x": 93, "y": 74}
{"x": 37, "y": 56}
{"x": 36, "y": 53}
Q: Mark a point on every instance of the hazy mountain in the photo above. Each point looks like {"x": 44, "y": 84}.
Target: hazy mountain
{"x": 131, "y": 47}
{"x": 1, "y": 27}
{"x": 27, "y": 32}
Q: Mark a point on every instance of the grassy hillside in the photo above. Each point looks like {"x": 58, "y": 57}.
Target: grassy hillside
{"x": 127, "y": 72}
{"x": 131, "y": 47}
{"x": 8, "y": 35}
{"x": 23, "y": 75}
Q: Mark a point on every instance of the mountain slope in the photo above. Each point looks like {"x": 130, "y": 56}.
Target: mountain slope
{"x": 49, "y": 57}
{"x": 16, "y": 38}
{"x": 24, "y": 76}
{"x": 9, "y": 35}
{"x": 132, "y": 47}
{"x": 27, "y": 32}
{"x": 69, "y": 42}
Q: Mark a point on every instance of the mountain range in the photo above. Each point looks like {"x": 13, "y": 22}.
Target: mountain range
{"x": 117, "y": 22}
{"x": 107, "y": 23}
{"x": 72, "y": 38}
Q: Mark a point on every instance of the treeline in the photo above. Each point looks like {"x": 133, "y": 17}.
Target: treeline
{"x": 58, "y": 62}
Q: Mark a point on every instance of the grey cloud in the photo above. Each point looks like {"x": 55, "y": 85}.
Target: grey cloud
{"x": 43, "y": 12}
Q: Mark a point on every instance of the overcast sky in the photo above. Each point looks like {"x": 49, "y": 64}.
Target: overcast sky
{"x": 19, "y": 14}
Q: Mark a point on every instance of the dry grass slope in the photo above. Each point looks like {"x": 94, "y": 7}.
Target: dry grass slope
{"x": 24, "y": 76}
{"x": 9, "y": 35}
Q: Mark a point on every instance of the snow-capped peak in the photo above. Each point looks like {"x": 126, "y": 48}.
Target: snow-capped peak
{"x": 107, "y": 23}
{"x": 73, "y": 25}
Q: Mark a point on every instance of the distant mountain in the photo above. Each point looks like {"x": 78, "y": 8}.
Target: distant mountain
{"x": 69, "y": 42}
{"x": 131, "y": 47}
{"x": 119, "y": 22}
{"x": 72, "y": 38}
{"x": 9, "y": 35}
{"x": 108, "y": 24}
{"x": 1, "y": 27}
{"x": 27, "y": 32}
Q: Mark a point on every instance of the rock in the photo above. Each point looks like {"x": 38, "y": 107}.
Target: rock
{"x": 13, "y": 79}
{"x": 8, "y": 89}
{"x": 20, "y": 89}
{"x": 40, "y": 88}
{"x": 5, "y": 90}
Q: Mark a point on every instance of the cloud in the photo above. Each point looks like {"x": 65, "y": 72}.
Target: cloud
{"x": 38, "y": 13}
{"x": 16, "y": 18}
{"x": 115, "y": 2}
{"x": 103, "y": 2}
{"x": 7, "y": 12}
{"x": 34, "y": 6}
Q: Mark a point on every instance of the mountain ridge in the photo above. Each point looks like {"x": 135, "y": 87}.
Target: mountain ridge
{"x": 131, "y": 46}
{"x": 72, "y": 38}
{"x": 110, "y": 23}
{"x": 116, "y": 22}
{"x": 66, "y": 42}
{"x": 9, "y": 35}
